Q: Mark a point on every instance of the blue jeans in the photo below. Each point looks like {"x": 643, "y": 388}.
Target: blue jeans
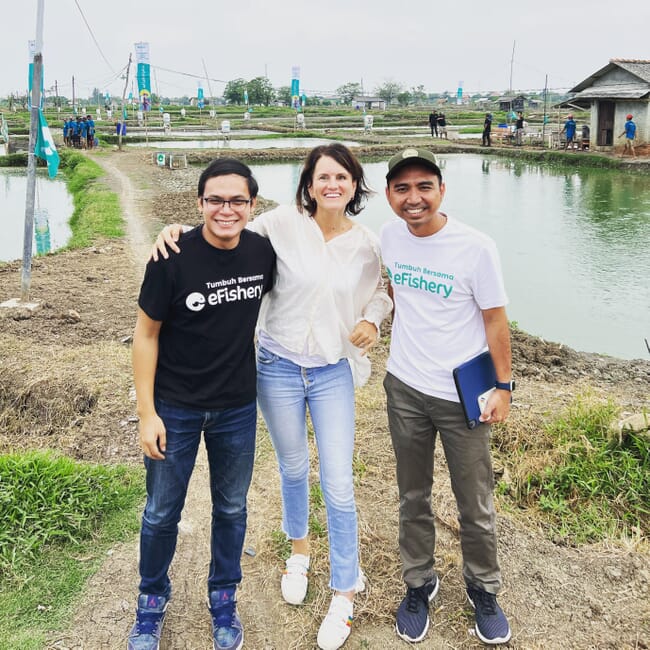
{"x": 284, "y": 390}
{"x": 230, "y": 443}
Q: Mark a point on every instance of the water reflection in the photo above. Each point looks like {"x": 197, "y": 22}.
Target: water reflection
{"x": 573, "y": 243}
{"x": 53, "y": 209}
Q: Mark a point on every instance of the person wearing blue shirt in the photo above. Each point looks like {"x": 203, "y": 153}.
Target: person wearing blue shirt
{"x": 90, "y": 135}
{"x": 630, "y": 134}
{"x": 83, "y": 133}
{"x": 66, "y": 129}
{"x": 570, "y": 130}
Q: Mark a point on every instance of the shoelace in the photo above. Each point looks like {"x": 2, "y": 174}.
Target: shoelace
{"x": 414, "y": 595}
{"x": 147, "y": 622}
{"x": 486, "y": 602}
{"x": 223, "y": 615}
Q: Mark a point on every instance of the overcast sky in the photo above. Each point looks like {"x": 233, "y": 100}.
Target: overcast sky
{"x": 413, "y": 42}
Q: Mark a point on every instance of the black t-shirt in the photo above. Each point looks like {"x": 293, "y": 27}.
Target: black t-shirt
{"x": 208, "y": 300}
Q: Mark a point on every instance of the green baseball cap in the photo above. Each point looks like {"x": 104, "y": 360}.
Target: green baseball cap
{"x": 410, "y": 156}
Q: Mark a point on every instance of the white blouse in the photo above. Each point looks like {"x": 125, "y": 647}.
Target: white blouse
{"x": 322, "y": 288}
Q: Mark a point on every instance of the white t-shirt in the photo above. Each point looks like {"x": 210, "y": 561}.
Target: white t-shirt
{"x": 322, "y": 289}
{"x": 440, "y": 285}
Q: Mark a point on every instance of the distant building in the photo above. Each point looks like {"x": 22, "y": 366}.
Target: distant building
{"x": 361, "y": 102}
{"x": 621, "y": 87}
{"x": 512, "y": 102}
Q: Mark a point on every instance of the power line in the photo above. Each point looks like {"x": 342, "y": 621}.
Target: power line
{"x": 189, "y": 74}
{"x": 93, "y": 36}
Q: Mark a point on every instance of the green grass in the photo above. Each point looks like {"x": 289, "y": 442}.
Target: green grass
{"x": 97, "y": 211}
{"x": 598, "y": 485}
{"x": 58, "y": 517}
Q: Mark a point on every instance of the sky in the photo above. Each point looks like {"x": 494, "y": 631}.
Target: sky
{"x": 483, "y": 46}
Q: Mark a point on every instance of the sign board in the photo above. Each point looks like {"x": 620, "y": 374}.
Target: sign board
{"x": 160, "y": 159}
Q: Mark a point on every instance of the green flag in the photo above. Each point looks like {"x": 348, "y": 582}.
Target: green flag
{"x": 45, "y": 147}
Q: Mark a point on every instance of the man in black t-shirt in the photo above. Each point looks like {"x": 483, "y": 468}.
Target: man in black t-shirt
{"x": 433, "y": 123}
{"x": 194, "y": 371}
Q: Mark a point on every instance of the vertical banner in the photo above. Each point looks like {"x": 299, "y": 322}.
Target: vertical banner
{"x": 295, "y": 87}
{"x": 143, "y": 75}
{"x": 459, "y": 93}
{"x": 199, "y": 96}
{"x": 32, "y": 52}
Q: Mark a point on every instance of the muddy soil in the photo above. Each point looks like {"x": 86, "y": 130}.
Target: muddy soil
{"x": 68, "y": 365}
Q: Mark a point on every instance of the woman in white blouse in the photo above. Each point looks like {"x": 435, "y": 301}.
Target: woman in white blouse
{"x": 315, "y": 328}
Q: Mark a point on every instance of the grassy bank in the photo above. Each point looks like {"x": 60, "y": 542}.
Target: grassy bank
{"x": 585, "y": 482}
{"x": 58, "y": 518}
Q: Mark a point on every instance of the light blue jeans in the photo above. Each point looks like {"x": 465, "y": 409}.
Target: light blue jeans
{"x": 284, "y": 391}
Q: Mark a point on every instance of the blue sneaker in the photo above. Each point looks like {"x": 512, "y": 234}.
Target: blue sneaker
{"x": 227, "y": 630}
{"x": 413, "y": 613}
{"x": 491, "y": 623}
{"x": 149, "y": 619}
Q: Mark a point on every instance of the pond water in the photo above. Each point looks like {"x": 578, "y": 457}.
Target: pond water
{"x": 53, "y": 210}
{"x": 276, "y": 143}
{"x": 573, "y": 242}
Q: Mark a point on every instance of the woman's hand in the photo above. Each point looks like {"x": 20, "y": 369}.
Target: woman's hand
{"x": 364, "y": 335}
{"x": 167, "y": 238}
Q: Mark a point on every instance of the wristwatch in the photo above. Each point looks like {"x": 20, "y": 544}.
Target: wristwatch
{"x": 505, "y": 385}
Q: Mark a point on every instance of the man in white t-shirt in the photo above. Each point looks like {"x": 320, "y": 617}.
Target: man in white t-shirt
{"x": 449, "y": 296}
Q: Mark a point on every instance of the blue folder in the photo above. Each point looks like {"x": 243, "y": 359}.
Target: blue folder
{"x": 473, "y": 378}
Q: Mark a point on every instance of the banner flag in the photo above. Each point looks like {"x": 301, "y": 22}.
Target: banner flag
{"x": 45, "y": 147}
{"x": 295, "y": 87}
{"x": 143, "y": 75}
{"x": 32, "y": 52}
{"x": 199, "y": 97}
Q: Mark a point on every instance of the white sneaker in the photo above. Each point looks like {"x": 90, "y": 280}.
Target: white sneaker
{"x": 336, "y": 626}
{"x": 294, "y": 579}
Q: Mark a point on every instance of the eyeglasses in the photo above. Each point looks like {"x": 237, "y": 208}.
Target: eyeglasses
{"x": 234, "y": 204}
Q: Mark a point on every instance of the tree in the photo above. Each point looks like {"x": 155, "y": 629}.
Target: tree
{"x": 418, "y": 95}
{"x": 349, "y": 91}
{"x": 233, "y": 93}
{"x": 283, "y": 94}
{"x": 388, "y": 91}
{"x": 404, "y": 98}
{"x": 260, "y": 91}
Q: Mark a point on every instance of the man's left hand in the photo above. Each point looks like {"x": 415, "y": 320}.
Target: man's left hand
{"x": 497, "y": 407}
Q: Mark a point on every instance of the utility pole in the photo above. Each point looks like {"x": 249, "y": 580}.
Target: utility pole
{"x": 512, "y": 60}
{"x": 126, "y": 83}
{"x": 207, "y": 78}
{"x": 74, "y": 108}
{"x": 26, "y": 274}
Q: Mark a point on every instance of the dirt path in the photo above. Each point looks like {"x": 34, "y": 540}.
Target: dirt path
{"x": 556, "y": 597}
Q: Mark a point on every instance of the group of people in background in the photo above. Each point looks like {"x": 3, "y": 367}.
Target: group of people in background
{"x": 438, "y": 124}
{"x": 79, "y": 132}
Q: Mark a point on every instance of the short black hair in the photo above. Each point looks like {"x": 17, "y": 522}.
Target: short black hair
{"x": 225, "y": 166}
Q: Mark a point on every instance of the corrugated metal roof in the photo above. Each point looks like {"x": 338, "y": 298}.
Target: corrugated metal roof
{"x": 637, "y": 67}
{"x": 614, "y": 91}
